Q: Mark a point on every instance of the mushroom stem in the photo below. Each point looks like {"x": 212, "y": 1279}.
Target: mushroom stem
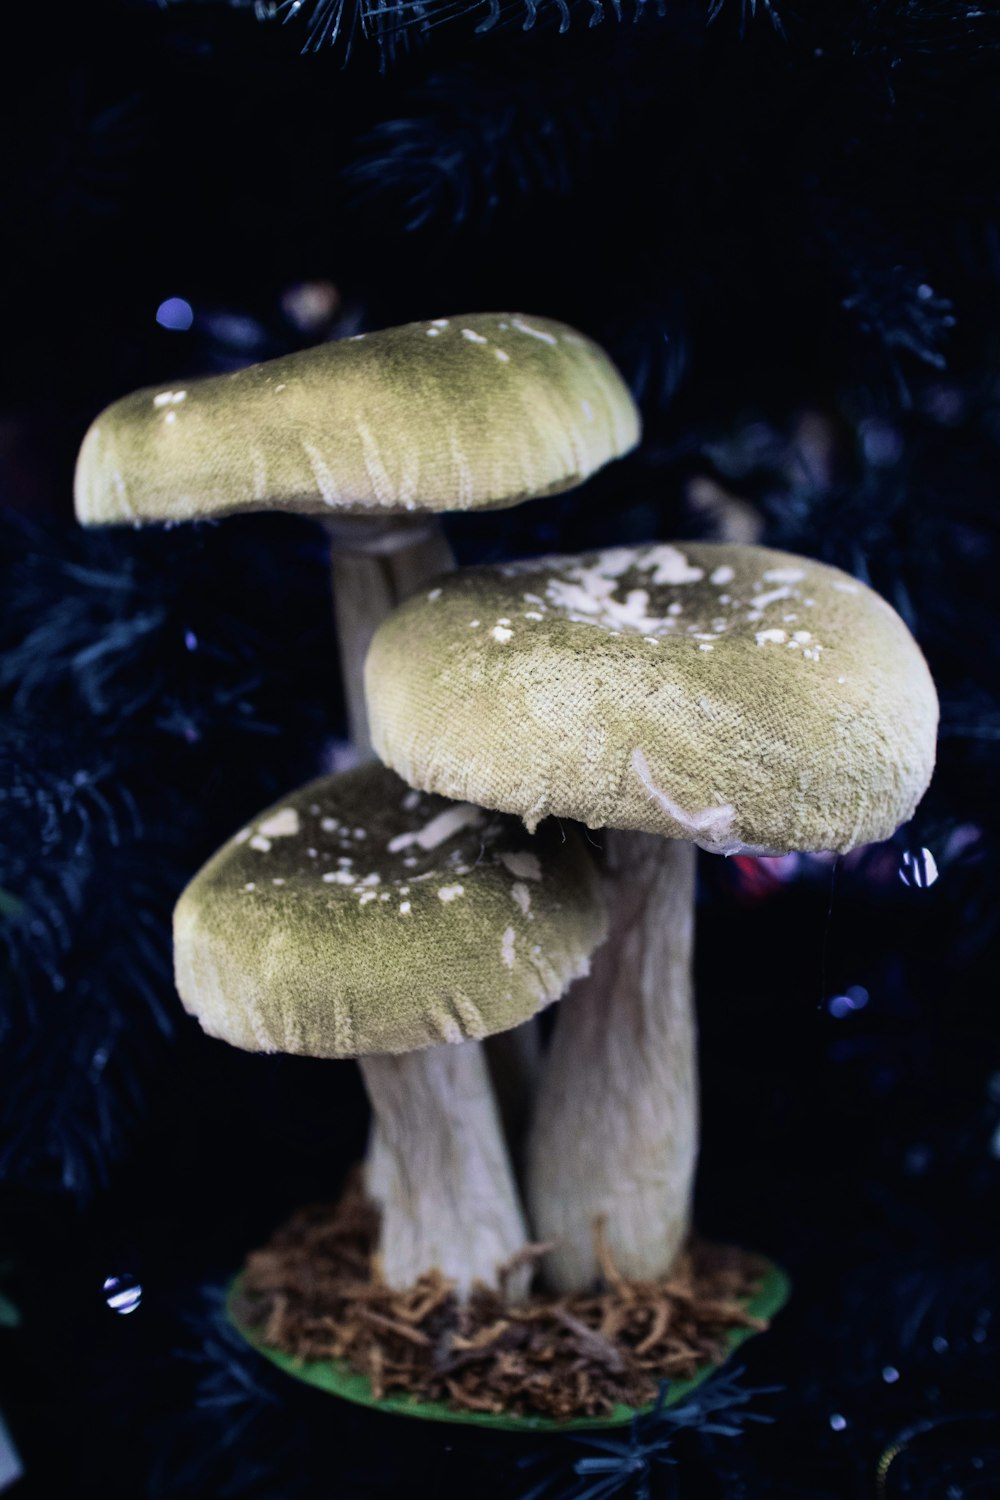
{"x": 375, "y": 566}
{"x": 448, "y": 1195}
{"x": 615, "y": 1133}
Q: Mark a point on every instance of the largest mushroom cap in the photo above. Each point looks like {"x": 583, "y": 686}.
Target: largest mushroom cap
{"x": 745, "y": 699}
{"x": 357, "y": 916}
{"x": 462, "y": 413}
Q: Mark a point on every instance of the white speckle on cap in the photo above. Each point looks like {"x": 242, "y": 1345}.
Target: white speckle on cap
{"x": 532, "y": 614}
{"x": 709, "y": 826}
{"x": 433, "y": 333}
{"x": 474, "y": 624}
{"x": 723, "y": 574}
{"x": 777, "y": 636}
{"x": 706, "y": 648}
{"x": 260, "y": 843}
{"x": 169, "y": 398}
{"x": 405, "y": 908}
{"x": 242, "y": 836}
{"x": 371, "y": 879}
{"x": 588, "y": 410}
{"x": 281, "y": 824}
{"x": 841, "y": 679}
{"x": 250, "y": 885}
{"x": 171, "y": 417}
{"x": 277, "y": 881}
{"x": 451, "y": 892}
{"x": 502, "y": 356}
{"x": 367, "y": 896}
{"x": 846, "y": 588}
{"x": 784, "y": 575}
{"x": 440, "y": 323}
{"x": 507, "y": 947}
{"x": 434, "y": 594}
{"x": 520, "y": 893}
{"x": 359, "y": 833}
{"x": 522, "y": 863}
{"x": 761, "y": 601}
{"x": 535, "y": 333}
{"x": 339, "y": 877}
{"x": 444, "y": 826}
{"x": 670, "y": 564}
{"x": 501, "y": 633}
{"x": 473, "y": 337}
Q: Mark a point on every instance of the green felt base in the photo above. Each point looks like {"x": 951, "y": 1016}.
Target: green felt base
{"x": 336, "y": 1378}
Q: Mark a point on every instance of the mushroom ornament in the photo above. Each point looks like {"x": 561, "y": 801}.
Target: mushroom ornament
{"x": 360, "y": 918}
{"x": 375, "y": 435}
{"x": 729, "y": 697}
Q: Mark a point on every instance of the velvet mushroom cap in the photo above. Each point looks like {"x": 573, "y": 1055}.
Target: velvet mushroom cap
{"x": 358, "y": 917}
{"x": 745, "y": 699}
{"x": 461, "y": 413}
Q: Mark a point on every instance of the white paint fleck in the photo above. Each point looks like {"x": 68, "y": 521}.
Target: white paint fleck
{"x": 242, "y": 836}
{"x": 706, "y": 648}
{"x": 532, "y": 614}
{"x": 846, "y": 588}
{"x": 338, "y": 877}
{"x": 761, "y": 601}
{"x": 522, "y": 863}
{"x": 451, "y": 892}
{"x": 405, "y": 908}
{"x": 440, "y": 323}
{"x": 722, "y": 574}
{"x": 473, "y": 337}
{"x": 507, "y": 947}
{"x": 841, "y": 679}
{"x": 671, "y": 565}
{"x": 367, "y": 896}
{"x": 444, "y": 826}
{"x": 169, "y": 398}
{"x": 371, "y": 879}
{"x": 434, "y": 594}
{"x": 502, "y": 620}
{"x": 474, "y": 624}
{"x": 535, "y": 333}
{"x": 277, "y": 881}
{"x": 281, "y": 824}
{"x": 262, "y": 844}
{"x": 777, "y": 636}
{"x": 784, "y": 575}
{"x": 329, "y": 825}
{"x": 502, "y": 356}
{"x": 588, "y": 410}
{"x": 433, "y": 333}
{"x": 708, "y": 827}
{"x": 170, "y": 418}
{"x": 411, "y": 801}
{"x": 251, "y": 885}
{"x": 501, "y": 633}
{"x": 520, "y": 893}
{"x": 359, "y": 833}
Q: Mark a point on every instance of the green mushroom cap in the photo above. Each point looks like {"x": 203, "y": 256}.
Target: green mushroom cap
{"x": 358, "y": 916}
{"x": 462, "y": 413}
{"x": 744, "y": 699}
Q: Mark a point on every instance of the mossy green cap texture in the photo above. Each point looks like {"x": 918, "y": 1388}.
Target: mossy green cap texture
{"x": 461, "y": 413}
{"x": 747, "y": 700}
{"x": 358, "y": 916}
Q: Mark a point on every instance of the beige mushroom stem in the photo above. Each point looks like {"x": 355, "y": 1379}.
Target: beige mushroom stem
{"x": 375, "y": 565}
{"x": 435, "y": 1130}
{"x": 450, "y": 1199}
{"x": 615, "y": 1134}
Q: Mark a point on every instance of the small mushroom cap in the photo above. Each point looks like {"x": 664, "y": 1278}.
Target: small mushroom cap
{"x": 462, "y": 413}
{"x": 745, "y": 699}
{"x": 358, "y": 916}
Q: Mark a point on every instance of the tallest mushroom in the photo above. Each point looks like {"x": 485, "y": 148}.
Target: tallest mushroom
{"x": 376, "y": 435}
{"x": 731, "y": 697}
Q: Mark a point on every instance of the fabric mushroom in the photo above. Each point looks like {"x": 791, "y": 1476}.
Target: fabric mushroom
{"x": 360, "y": 918}
{"x": 731, "y": 697}
{"x": 376, "y": 434}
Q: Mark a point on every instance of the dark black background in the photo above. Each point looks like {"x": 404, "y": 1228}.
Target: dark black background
{"x": 784, "y": 223}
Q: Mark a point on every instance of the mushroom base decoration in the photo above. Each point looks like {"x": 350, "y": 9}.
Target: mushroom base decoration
{"x": 314, "y": 1302}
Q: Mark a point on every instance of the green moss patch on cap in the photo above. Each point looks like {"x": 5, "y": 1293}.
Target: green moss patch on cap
{"x": 458, "y": 413}
{"x": 358, "y": 916}
{"x": 745, "y": 699}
